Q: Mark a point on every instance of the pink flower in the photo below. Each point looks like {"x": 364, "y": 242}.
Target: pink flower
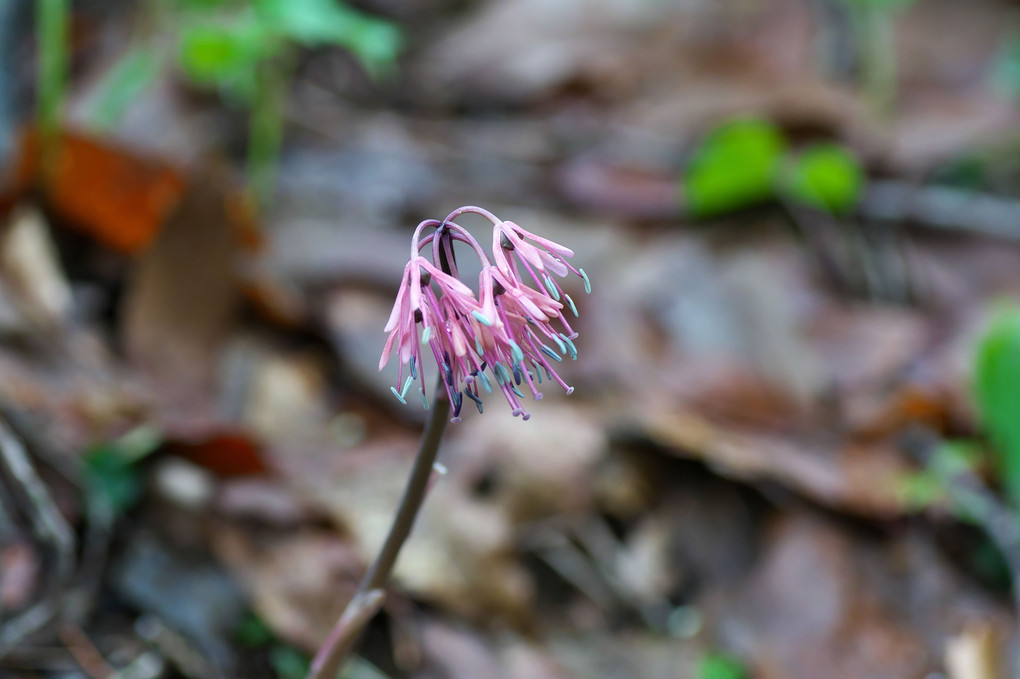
{"x": 504, "y": 332}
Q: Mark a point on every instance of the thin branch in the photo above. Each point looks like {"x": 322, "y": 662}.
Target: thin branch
{"x": 942, "y": 207}
{"x": 49, "y": 526}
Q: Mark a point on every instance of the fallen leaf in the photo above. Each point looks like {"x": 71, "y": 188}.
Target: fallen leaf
{"x": 120, "y": 199}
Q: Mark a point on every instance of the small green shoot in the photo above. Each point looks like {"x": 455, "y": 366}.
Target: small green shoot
{"x": 131, "y": 76}
{"x": 720, "y": 666}
{"x": 52, "y": 36}
{"x": 734, "y": 168}
{"x": 997, "y": 391}
{"x": 112, "y": 469}
{"x": 246, "y": 51}
{"x": 825, "y": 176}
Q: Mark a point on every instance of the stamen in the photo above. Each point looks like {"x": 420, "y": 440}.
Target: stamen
{"x": 485, "y": 382}
{"x": 458, "y": 401}
{"x": 505, "y": 242}
{"x": 425, "y": 336}
{"x": 550, "y": 353}
{"x": 517, "y": 374}
{"x": 407, "y": 384}
{"x": 570, "y": 345}
{"x": 516, "y": 351}
{"x": 502, "y": 376}
{"x": 417, "y": 316}
{"x": 424, "y": 399}
{"x": 551, "y": 287}
{"x": 561, "y": 345}
{"x": 448, "y": 373}
{"x": 414, "y": 371}
{"x": 571, "y": 303}
{"x": 398, "y": 395}
{"x": 517, "y": 391}
{"x": 480, "y": 317}
{"x": 538, "y": 370}
{"x": 587, "y": 283}
{"x": 426, "y": 278}
{"x": 467, "y": 392}
{"x": 478, "y": 347}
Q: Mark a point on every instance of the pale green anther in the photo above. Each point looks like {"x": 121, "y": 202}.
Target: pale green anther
{"x": 538, "y": 370}
{"x": 570, "y": 345}
{"x": 550, "y": 353}
{"x": 426, "y": 336}
{"x": 485, "y": 382}
{"x": 424, "y": 399}
{"x": 571, "y": 303}
{"x": 587, "y": 283}
{"x": 516, "y": 351}
{"x": 399, "y": 396}
{"x": 481, "y": 318}
{"x": 502, "y": 376}
{"x": 560, "y": 344}
{"x": 552, "y": 288}
{"x": 478, "y": 347}
{"x": 517, "y": 391}
{"x": 407, "y": 384}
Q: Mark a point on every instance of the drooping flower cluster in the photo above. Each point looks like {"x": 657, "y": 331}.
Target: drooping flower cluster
{"x": 497, "y": 339}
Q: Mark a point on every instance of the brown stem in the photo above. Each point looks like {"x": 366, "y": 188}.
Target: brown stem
{"x": 343, "y": 635}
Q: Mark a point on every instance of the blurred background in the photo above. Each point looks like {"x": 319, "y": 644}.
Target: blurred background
{"x": 794, "y": 446}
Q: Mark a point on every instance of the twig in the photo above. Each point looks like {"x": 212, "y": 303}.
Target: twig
{"x": 85, "y": 653}
{"x": 343, "y": 635}
{"x": 49, "y": 526}
{"x": 942, "y": 207}
{"x": 969, "y": 494}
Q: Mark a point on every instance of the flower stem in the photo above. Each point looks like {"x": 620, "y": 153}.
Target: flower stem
{"x": 345, "y": 633}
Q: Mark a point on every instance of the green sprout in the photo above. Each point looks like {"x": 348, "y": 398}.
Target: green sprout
{"x": 246, "y": 51}
{"x": 748, "y": 162}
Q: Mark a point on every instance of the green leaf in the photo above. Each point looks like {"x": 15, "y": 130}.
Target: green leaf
{"x": 112, "y": 468}
{"x": 827, "y": 177}
{"x": 889, "y": 5}
{"x": 226, "y": 54}
{"x": 128, "y": 78}
{"x": 376, "y": 42}
{"x": 253, "y": 632}
{"x": 720, "y": 666}
{"x": 288, "y": 662}
{"x": 734, "y": 168}
{"x": 997, "y": 390}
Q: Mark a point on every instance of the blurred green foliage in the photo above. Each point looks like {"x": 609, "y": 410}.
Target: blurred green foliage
{"x": 51, "y": 24}
{"x": 223, "y": 44}
{"x": 121, "y": 85}
{"x": 749, "y": 162}
{"x": 113, "y": 471}
{"x": 720, "y": 666}
{"x": 244, "y": 49}
{"x": 1006, "y": 68}
{"x": 879, "y": 4}
{"x": 827, "y": 177}
{"x": 997, "y": 390}
{"x": 734, "y": 167}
